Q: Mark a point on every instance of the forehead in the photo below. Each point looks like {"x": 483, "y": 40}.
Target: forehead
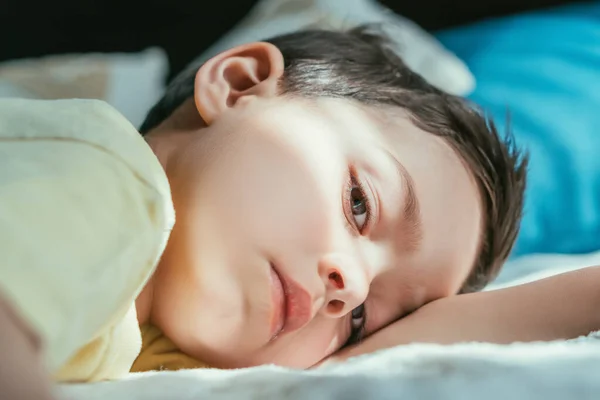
{"x": 449, "y": 204}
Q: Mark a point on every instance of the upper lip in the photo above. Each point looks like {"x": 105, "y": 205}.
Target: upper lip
{"x": 297, "y": 305}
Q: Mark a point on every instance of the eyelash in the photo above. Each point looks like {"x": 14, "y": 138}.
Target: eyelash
{"x": 353, "y": 182}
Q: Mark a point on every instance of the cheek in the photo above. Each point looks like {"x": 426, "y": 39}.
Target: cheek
{"x": 272, "y": 193}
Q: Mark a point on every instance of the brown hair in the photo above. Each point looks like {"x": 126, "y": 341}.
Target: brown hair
{"x": 360, "y": 64}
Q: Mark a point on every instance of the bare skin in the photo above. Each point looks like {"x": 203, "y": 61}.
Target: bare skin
{"x": 360, "y": 212}
{"x": 21, "y": 374}
{"x": 267, "y": 187}
{"x": 560, "y": 307}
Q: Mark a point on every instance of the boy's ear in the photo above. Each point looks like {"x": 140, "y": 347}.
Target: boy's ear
{"x": 252, "y": 69}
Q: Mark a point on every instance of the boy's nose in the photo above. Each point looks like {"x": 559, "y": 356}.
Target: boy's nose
{"x": 346, "y": 284}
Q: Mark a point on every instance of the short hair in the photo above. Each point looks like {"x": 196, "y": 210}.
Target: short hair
{"x": 360, "y": 64}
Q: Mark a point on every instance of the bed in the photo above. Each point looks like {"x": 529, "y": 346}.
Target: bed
{"x": 545, "y": 68}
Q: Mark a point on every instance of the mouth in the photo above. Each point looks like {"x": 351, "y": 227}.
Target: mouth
{"x": 292, "y": 304}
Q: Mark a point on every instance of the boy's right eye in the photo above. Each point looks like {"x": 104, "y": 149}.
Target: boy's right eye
{"x": 357, "y": 204}
{"x": 360, "y": 210}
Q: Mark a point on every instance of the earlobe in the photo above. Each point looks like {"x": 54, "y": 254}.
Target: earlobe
{"x": 252, "y": 69}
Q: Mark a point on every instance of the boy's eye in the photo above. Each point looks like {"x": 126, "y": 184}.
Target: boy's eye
{"x": 358, "y": 317}
{"x": 358, "y": 320}
{"x": 358, "y": 201}
{"x": 357, "y": 204}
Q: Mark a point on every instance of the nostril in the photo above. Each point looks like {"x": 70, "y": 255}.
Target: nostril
{"x": 335, "y": 306}
{"x": 337, "y": 280}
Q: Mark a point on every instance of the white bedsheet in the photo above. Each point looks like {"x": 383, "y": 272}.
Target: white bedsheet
{"x": 534, "y": 371}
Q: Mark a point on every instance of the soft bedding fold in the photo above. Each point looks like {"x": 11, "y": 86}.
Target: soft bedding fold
{"x": 548, "y": 371}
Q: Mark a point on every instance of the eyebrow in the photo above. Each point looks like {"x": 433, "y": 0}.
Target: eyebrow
{"x": 412, "y": 231}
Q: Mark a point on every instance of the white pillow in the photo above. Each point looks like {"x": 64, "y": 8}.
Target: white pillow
{"x": 130, "y": 82}
{"x": 420, "y": 50}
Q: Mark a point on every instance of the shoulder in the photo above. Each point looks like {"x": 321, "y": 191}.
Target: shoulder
{"x": 91, "y": 123}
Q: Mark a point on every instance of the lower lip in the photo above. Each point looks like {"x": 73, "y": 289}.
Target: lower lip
{"x": 291, "y": 305}
{"x": 278, "y": 314}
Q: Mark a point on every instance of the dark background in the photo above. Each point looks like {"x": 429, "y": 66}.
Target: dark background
{"x": 184, "y": 28}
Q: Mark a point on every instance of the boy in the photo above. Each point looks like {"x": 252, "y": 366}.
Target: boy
{"x": 368, "y": 192}
{"x": 322, "y": 192}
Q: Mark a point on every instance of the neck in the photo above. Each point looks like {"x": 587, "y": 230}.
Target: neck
{"x": 172, "y": 134}
{"x": 167, "y": 143}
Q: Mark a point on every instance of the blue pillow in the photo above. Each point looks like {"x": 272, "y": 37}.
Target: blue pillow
{"x": 544, "y": 68}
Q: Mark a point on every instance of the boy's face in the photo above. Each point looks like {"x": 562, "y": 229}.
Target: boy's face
{"x": 291, "y": 214}
{"x": 299, "y": 221}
